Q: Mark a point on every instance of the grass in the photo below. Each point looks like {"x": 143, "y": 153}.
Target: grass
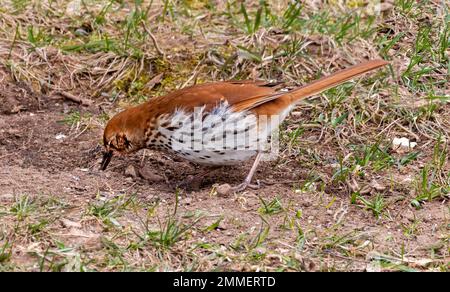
{"x": 171, "y": 231}
{"x": 107, "y": 209}
{"x": 5, "y": 252}
{"x": 376, "y": 205}
{"x": 348, "y": 183}
{"x": 272, "y": 207}
{"x": 22, "y": 208}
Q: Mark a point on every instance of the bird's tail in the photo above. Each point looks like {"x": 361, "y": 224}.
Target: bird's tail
{"x": 335, "y": 79}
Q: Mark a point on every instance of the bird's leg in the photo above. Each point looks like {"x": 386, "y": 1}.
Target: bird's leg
{"x": 248, "y": 179}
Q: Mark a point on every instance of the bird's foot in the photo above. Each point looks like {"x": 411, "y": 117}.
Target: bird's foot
{"x": 246, "y": 184}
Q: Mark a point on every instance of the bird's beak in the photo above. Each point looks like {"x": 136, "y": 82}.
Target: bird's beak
{"x": 106, "y": 159}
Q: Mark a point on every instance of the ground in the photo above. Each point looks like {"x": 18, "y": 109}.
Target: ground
{"x": 340, "y": 196}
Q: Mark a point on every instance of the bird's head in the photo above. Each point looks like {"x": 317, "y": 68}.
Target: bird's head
{"x": 124, "y": 134}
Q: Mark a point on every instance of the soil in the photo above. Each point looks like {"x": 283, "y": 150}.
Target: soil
{"x": 41, "y": 155}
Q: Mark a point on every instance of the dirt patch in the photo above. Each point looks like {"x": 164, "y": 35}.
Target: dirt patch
{"x": 338, "y": 197}
{"x": 42, "y": 157}
{"x": 16, "y": 96}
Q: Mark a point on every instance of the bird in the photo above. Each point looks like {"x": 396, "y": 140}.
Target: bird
{"x": 217, "y": 123}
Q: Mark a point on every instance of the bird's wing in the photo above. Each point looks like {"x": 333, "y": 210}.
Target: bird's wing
{"x": 240, "y": 95}
{"x": 258, "y": 96}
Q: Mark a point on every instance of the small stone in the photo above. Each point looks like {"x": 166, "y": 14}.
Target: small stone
{"x": 365, "y": 190}
{"x": 69, "y": 223}
{"x": 409, "y": 215}
{"x": 386, "y": 6}
{"x": 60, "y": 136}
{"x": 377, "y": 186}
{"x": 402, "y": 145}
{"x": 194, "y": 182}
{"x": 130, "y": 171}
{"x": 261, "y": 250}
{"x": 224, "y": 190}
{"x": 6, "y": 197}
{"x": 222, "y": 226}
{"x": 149, "y": 175}
{"x": 306, "y": 204}
{"x": 81, "y": 32}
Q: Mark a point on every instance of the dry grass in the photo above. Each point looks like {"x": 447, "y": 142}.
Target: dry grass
{"x": 338, "y": 198}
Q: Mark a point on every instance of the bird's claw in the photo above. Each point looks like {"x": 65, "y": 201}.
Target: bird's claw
{"x": 246, "y": 184}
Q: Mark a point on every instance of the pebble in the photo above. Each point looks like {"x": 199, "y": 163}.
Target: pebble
{"x": 149, "y": 175}
{"x": 69, "y": 223}
{"x": 377, "y": 186}
{"x": 6, "y": 197}
{"x": 223, "y": 190}
{"x": 130, "y": 171}
{"x": 402, "y": 145}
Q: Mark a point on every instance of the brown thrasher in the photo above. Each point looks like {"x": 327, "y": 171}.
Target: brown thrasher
{"x": 222, "y": 123}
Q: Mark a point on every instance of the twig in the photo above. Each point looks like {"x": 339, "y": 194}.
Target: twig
{"x": 13, "y": 42}
{"x": 407, "y": 130}
{"x": 155, "y": 42}
{"x": 193, "y": 76}
{"x": 74, "y": 98}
